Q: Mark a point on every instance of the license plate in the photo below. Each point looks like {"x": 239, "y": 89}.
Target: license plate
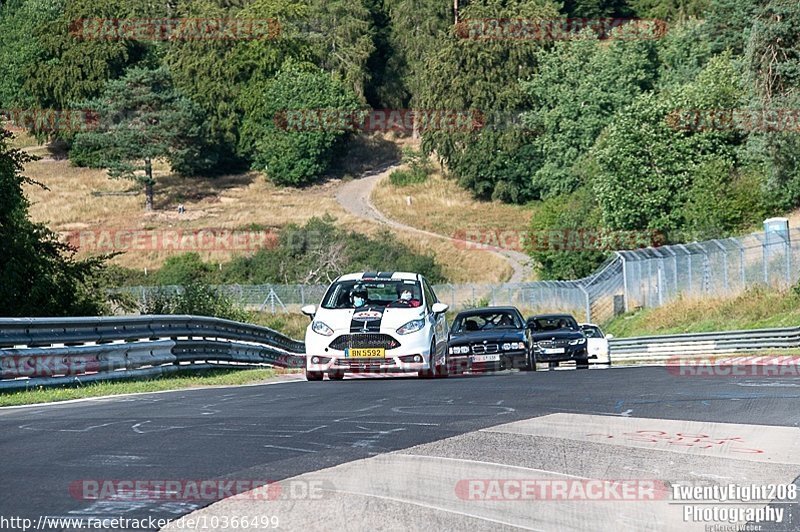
{"x": 553, "y": 351}
{"x": 485, "y": 358}
{"x": 360, "y": 352}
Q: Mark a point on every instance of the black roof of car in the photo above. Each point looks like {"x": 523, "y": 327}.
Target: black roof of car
{"x": 488, "y": 310}
{"x": 551, "y": 316}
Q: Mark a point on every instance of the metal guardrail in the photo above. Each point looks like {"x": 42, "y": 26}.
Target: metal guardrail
{"x": 52, "y": 351}
{"x": 699, "y": 344}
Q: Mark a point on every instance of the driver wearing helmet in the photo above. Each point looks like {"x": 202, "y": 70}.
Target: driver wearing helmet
{"x": 405, "y": 296}
{"x": 358, "y": 296}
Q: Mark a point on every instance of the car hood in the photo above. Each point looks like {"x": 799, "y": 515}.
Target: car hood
{"x": 557, "y": 335}
{"x": 368, "y": 319}
{"x": 508, "y": 335}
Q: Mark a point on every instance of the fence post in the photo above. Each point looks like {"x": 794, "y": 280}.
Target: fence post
{"x": 788, "y": 247}
{"x": 725, "y": 264}
{"x": 624, "y": 280}
{"x": 742, "y": 275}
{"x": 660, "y": 286}
{"x": 588, "y": 304}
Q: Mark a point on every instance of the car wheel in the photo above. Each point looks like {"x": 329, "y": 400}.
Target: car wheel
{"x": 582, "y": 363}
{"x": 313, "y": 375}
{"x": 336, "y": 375}
{"x": 443, "y": 371}
{"x": 429, "y": 373}
{"x": 533, "y": 361}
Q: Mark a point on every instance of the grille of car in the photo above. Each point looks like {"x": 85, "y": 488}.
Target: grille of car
{"x": 548, "y": 344}
{"x": 364, "y": 363}
{"x": 364, "y": 340}
{"x": 480, "y": 349}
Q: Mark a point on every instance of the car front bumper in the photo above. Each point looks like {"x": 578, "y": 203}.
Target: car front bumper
{"x": 412, "y": 356}
{"x": 577, "y": 352}
{"x": 517, "y": 358}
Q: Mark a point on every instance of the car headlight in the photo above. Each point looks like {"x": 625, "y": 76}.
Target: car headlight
{"x": 464, "y": 350}
{"x": 506, "y": 346}
{"x": 577, "y": 341}
{"x": 320, "y": 328}
{"x": 411, "y": 326}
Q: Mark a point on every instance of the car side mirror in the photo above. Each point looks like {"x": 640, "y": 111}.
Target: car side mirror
{"x": 309, "y": 310}
{"x": 439, "y": 308}
{"x": 609, "y": 336}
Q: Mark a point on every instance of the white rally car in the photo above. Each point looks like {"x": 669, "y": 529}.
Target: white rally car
{"x": 597, "y": 343}
{"x": 377, "y": 322}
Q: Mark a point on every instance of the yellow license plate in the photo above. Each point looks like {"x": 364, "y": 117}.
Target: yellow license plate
{"x": 372, "y": 352}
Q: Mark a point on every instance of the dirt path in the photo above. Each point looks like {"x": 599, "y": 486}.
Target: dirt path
{"x": 355, "y": 197}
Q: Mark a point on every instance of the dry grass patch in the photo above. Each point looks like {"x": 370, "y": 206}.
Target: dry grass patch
{"x": 86, "y": 200}
{"x": 754, "y": 309}
{"x": 82, "y": 199}
{"x": 439, "y": 205}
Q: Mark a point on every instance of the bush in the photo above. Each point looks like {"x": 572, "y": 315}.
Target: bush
{"x": 559, "y": 217}
{"x": 402, "y": 178}
{"x": 185, "y": 269}
{"x": 292, "y": 151}
{"x": 196, "y": 299}
{"x": 419, "y": 167}
{"x": 314, "y": 253}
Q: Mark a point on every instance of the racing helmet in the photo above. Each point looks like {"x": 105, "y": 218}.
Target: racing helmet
{"x": 403, "y": 289}
{"x": 358, "y": 295}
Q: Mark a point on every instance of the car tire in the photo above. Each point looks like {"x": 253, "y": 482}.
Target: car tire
{"x": 314, "y": 375}
{"x": 336, "y": 375}
{"x": 443, "y": 371}
{"x": 429, "y": 373}
{"x": 582, "y": 363}
{"x": 531, "y": 362}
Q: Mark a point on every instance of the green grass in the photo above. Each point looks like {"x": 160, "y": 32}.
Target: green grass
{"x": 291, "y": 324}
{"x": 172, "y": 382}
{"x": 756, "y": 308}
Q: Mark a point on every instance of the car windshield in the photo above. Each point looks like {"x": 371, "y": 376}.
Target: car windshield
{"x": 591, "y": 332}
{"x": 384, "y": 293}
{"x": 554, "y": 323}
{"x": 485, "y": 321}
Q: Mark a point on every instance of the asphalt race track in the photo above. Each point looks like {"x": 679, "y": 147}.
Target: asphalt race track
{"x": 391, "y": 452}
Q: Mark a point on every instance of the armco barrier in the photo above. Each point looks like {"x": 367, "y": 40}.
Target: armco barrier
{"x": 713, "y": 343}
{"x": 52, "y": 351}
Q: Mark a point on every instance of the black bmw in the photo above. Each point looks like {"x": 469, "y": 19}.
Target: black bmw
{"x": 557, "y": 338}
{"x": 488, "y": 338}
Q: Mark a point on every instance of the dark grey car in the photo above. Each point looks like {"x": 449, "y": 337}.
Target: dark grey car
{"x": 557, "y": 338}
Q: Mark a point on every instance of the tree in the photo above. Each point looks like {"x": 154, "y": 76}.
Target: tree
{"x": 417, "y": 29}
{"x": 19, "y": 19}
{"x": 144, "y": 118}
{"x": 683, "y": 52}
{"x": 671, "y": 10}
{"x": 772, "y": 57}
{"x": 41, "y": 276}
{"x": 578, "y": 87}
{"x": 296, "y": 152}
{"x": 644, "y": 167}
{"x": 215, "y": 72}
{"x": 728, "y": 22}
{"x": 345, "y": 42}
{"x": 468, "y": 73}
{"x": 69, "y": 69}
